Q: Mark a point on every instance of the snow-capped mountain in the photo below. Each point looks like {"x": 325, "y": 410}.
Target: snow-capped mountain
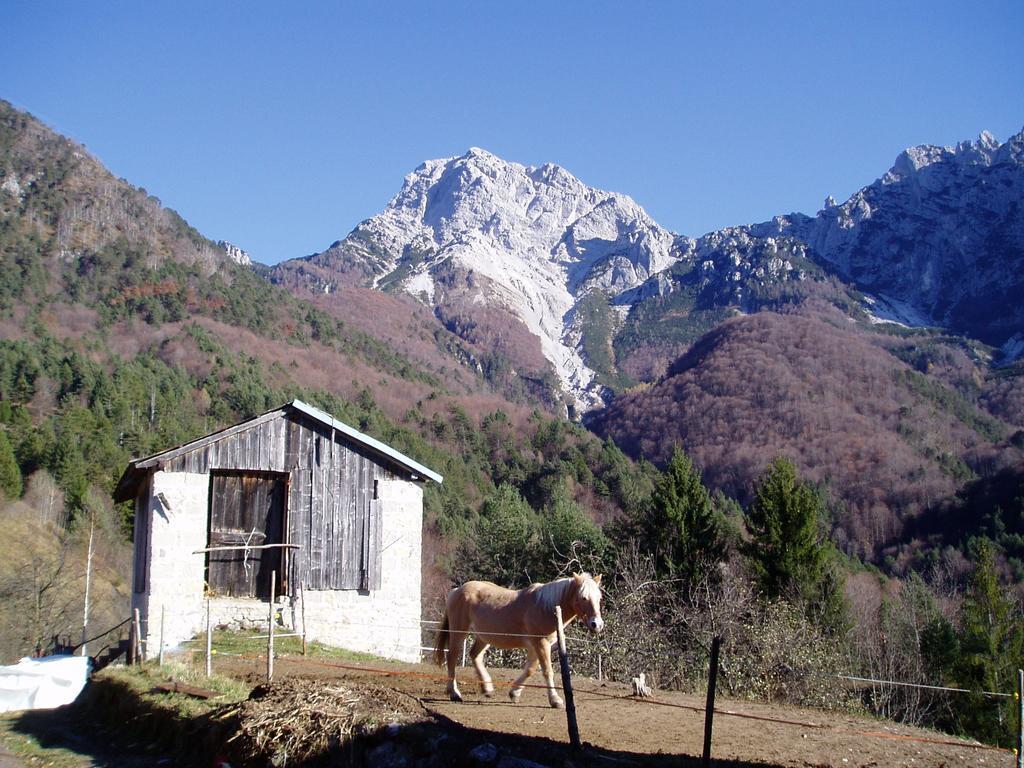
{"x": 538, "y": 237}
{"x": 938, "y": 240}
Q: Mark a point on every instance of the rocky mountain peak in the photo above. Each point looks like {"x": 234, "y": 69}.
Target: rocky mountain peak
{"x": 940, "y": 235}
{"x": 967, "y": 154}
{"x": 236, "y": 254}
{"x": 539, "y": 237}
{"x": 1013, "y": 150}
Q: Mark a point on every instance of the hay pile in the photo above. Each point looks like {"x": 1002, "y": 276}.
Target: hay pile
{"x": 298, "y": 720}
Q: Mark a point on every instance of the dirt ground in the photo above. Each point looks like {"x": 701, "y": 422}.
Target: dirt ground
{"x": 660, "y": 731}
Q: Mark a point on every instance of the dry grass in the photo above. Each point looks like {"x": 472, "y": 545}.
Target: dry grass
{"x": 298, "y": 719}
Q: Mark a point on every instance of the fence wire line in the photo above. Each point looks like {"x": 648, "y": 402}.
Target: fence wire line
{"x": 816, "y": 726}
{"x": 101, "y": 634}
{"x": 377, "y": 625}
{"x": 653, "y": 702}
{"x": 588, "y": 641}
{"x": 922, "y": 685}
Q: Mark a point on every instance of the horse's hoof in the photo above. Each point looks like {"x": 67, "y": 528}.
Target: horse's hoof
{"x": 514, "y": 695}
{"x": 557, "y": 704}
{"x": 455, "y": 696}
{"x": 487, "y": 690}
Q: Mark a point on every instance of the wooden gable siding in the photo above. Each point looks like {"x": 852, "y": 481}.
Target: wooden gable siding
{"x": 340, "y": 537}
{"x": 332, "y": 513}
{"x": 261, "y": 448}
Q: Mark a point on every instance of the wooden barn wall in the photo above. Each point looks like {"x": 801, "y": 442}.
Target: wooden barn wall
{"x": 332, "y": 513}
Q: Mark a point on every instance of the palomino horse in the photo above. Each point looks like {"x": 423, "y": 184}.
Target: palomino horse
{"x": 507, "y": 618}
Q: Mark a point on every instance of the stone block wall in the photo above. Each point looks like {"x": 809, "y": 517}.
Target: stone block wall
{"x": 177, "y": 527}
{"x": 385, "y": 622}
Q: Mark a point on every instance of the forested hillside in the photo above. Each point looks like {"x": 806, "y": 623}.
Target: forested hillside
{"x": 855, "y": 411}
{"x": 125, "y": 332}
{"x": 786, "y": 463}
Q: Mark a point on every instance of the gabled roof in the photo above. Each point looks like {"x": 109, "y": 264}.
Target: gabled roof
{"x": 128, "y": 483}
{"x": 375, "y": 446}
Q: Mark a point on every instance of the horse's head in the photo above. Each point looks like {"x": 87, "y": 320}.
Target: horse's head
{"x": 587, "y": 600}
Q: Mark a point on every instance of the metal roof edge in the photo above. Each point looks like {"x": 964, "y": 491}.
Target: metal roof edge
{"x": 377, "y": 445}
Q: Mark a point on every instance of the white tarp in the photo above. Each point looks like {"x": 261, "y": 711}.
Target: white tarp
{"x": 42, "y": 683}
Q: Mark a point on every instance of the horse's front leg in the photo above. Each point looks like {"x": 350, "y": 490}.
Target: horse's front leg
{"x": 476, "y": 653}
{"x": 531, "y": 666}
{"x": 545, "y": 659}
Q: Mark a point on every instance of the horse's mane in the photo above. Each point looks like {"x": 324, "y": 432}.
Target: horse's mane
{"x": 551, "y": 594}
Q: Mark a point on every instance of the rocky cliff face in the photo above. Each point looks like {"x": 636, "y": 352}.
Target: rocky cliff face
{"x": 938, "y": 240}
{"x": 533, "y": 240}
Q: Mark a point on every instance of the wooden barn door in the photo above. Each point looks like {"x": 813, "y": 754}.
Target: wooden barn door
{"x": 247, "y": 509}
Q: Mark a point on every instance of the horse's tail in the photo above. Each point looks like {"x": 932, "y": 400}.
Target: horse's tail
{"x": 441, "y": 642}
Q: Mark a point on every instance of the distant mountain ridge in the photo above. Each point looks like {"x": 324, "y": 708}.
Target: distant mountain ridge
{"x": 937, "y": 240}
{"x": 942, "y": 233}
{"x": 51, "y": 188}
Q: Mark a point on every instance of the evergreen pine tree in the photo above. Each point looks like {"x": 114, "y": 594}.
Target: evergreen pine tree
{"x": 681, "y": 527}
{"x": 786, "y": 548}
{"x": 10, "y": 473}
{"x": 506, "y": 538}
{"x": 567, "y": 530}
{"x": 991, "y": 647}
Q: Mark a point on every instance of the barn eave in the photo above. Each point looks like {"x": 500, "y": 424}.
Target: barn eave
{"x": 138, "y": 469}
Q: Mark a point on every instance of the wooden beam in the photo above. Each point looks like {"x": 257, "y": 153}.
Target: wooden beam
{"x": 243, "y": 546}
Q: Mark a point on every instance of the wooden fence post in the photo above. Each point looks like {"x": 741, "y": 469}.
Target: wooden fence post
{"x": 131, "y": 642}
{"x": 137, "y": 623}
{"x": 163, "y": 616}
{"x": 270, "y": 633}
{"x": 209, "y": 641}
{"x": 302, "y": 610}
{"x": 570, "y": 703}
{"x": 709, "y": 707}
{"x": 1020, "y": 718}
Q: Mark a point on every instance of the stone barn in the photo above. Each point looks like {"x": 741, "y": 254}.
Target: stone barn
{"x": 331, "y": 513}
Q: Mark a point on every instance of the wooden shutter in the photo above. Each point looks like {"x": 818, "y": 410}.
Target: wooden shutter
{"x": 372, "y": 544}
{"x": 246, "y": 509}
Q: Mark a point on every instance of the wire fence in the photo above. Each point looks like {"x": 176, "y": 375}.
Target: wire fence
{"x": 593, "y": 694}
{"x": 433, "y": 627}
{"x": 577, "y": 639}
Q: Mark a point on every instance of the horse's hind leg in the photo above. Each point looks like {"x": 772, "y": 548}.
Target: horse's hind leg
{"x": 455, "y": 641}
{"x": 476, "y": 653}
{"x": 520, "y": 683}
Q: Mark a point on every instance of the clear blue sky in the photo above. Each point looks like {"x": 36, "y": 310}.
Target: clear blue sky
{"x": 279, "y": 126}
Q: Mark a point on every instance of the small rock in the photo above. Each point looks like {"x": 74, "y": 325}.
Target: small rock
{"x": 483, "y": 754}
{"x": 517, "y": 762}
{"x": 388, "y": 755}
